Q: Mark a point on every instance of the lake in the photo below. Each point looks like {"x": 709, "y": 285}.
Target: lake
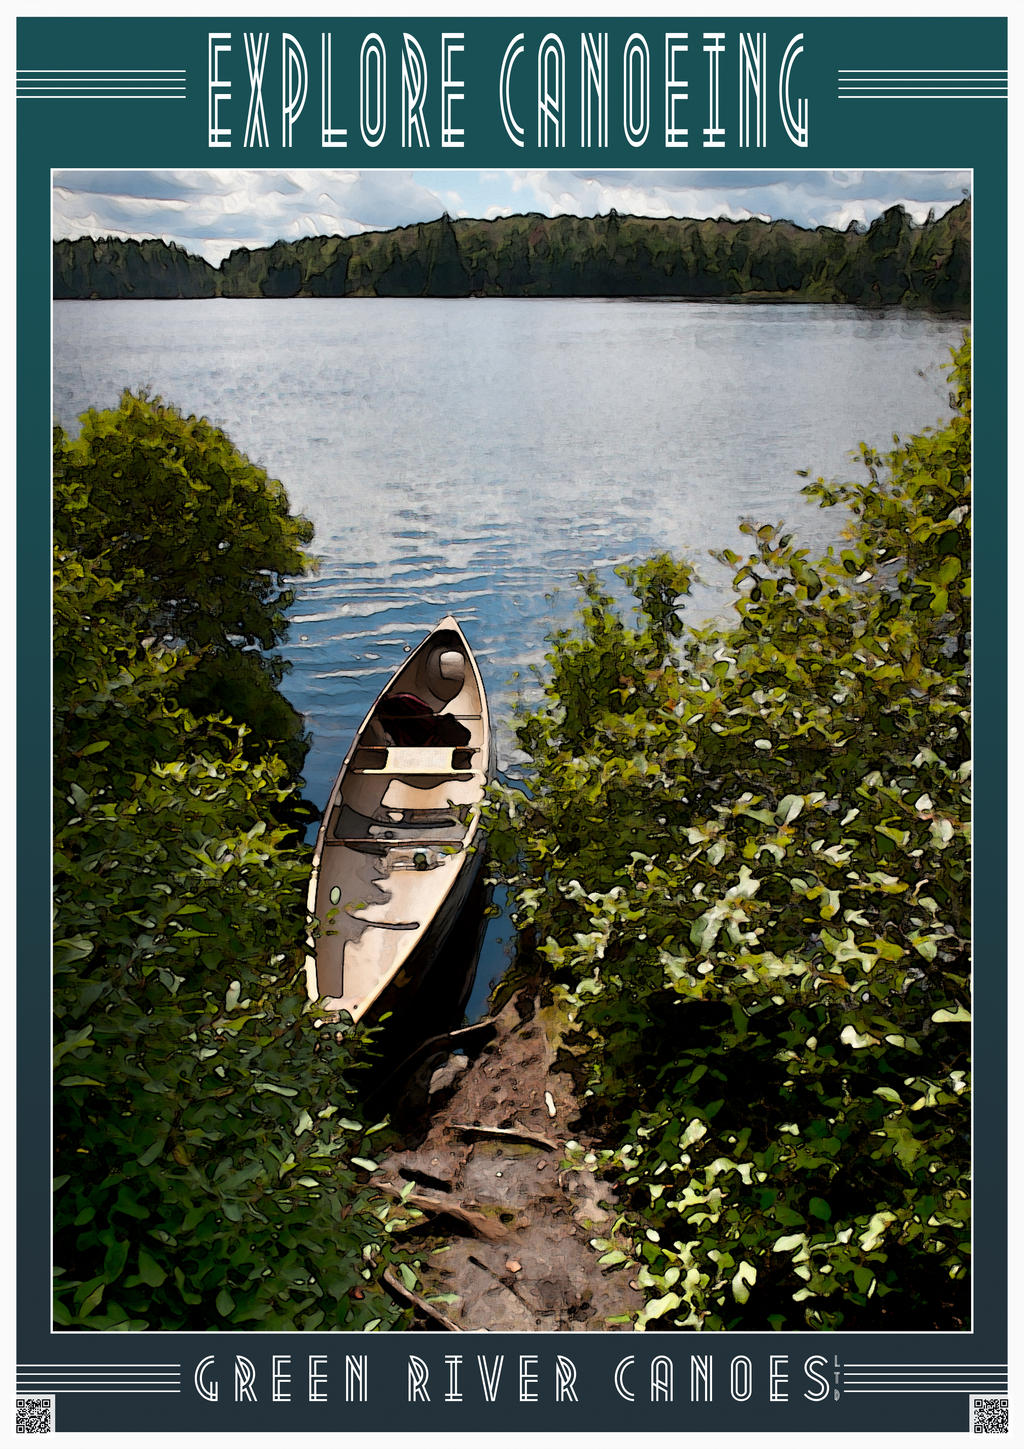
{"x": 471, "y": 455}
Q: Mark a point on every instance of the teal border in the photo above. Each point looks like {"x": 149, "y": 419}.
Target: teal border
{"x": 920, "y": 134}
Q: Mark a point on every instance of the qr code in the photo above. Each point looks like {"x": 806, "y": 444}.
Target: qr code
{"x": 33, "y": 1416}
{"x": 990, "y": 1416}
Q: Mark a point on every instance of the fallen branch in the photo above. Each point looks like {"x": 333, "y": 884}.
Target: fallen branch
{"x": 513, "y": 1133}
{"x": 442, "y": 1204}
{"x": 399, "y": 1289}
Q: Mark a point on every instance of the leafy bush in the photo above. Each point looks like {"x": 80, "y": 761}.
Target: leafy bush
{"x": 744, "y": 857}
{"x": 206, "y": 540}
{"x": 210, "y": 1164}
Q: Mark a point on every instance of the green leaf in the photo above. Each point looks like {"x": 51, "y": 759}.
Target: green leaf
{"x": 94, "y": 748}
{"x": 152, "y": 1152}
{"x": 70, "y": 949}
{"x": 150, "y": 1270}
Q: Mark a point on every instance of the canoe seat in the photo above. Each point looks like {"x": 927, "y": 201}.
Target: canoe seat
{"x": 408, "y": 720}
{"x": 421, "y": 760}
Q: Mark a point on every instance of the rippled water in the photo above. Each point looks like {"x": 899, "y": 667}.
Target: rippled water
{"x": 471, "y": 456}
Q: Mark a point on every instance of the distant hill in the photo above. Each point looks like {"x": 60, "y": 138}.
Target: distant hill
{"x": 892, "y": 262}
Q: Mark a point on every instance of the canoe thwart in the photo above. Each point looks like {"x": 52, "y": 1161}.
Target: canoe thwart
{"x": 415, "y": 828}
{"x": 390, "y": 842}
{"x": 421, "y": 760}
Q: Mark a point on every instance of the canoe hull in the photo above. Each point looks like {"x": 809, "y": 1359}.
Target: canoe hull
{"x": 400, "y": 847}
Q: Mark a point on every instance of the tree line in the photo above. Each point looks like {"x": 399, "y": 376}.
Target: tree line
{"x": 891, "y": 262}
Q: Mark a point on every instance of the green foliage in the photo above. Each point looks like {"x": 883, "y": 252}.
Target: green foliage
{"x": 207, "y": 533}
{"x": 892, "y": 262}
{"x": 202, "y": 540}
{"x": 209, "y": 1160}
{"x": 744, "y": 858}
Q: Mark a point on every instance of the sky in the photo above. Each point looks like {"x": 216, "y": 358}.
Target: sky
{"x": 211, "y": 212}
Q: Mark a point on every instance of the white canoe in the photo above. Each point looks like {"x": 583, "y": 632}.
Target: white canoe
{"x": 400, "y": 844}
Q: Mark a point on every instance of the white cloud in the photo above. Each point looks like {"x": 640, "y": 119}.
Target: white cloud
{"x": 214, "y": 211}
{"x": 806, "y": 197}
{"x": 864, "y": 211}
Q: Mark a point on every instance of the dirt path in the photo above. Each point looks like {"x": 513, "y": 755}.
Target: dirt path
{"x": 510, "y": 1226}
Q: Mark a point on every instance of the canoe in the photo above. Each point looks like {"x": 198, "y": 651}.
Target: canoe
{"x": 400, "y": 844}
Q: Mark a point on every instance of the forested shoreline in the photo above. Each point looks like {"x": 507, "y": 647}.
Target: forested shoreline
{"x": 892, "y": 262}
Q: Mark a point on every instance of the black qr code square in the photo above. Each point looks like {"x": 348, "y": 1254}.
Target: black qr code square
{"x": 33, "y": 1415}
{"x": 990, "y": 1416}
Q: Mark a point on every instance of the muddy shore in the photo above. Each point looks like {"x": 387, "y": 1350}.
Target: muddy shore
{"x": 493, "y": 1184}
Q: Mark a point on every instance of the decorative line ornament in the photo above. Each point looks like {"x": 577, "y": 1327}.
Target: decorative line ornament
{"x": 88, "y": 85}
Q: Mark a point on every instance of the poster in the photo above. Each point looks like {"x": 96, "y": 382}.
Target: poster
{"x": 770, "y": 100}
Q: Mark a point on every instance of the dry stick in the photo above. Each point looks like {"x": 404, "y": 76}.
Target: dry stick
{"x": 509, "y": 1283}
{"x": 462, "y": 1032}
{"x": 518, "y": 1134}
{"x": 428, "y": 1202}
{"x": 399, "y": 1289}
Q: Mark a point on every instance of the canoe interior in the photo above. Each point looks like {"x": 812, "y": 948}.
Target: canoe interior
{"x": 397, "y": 850}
